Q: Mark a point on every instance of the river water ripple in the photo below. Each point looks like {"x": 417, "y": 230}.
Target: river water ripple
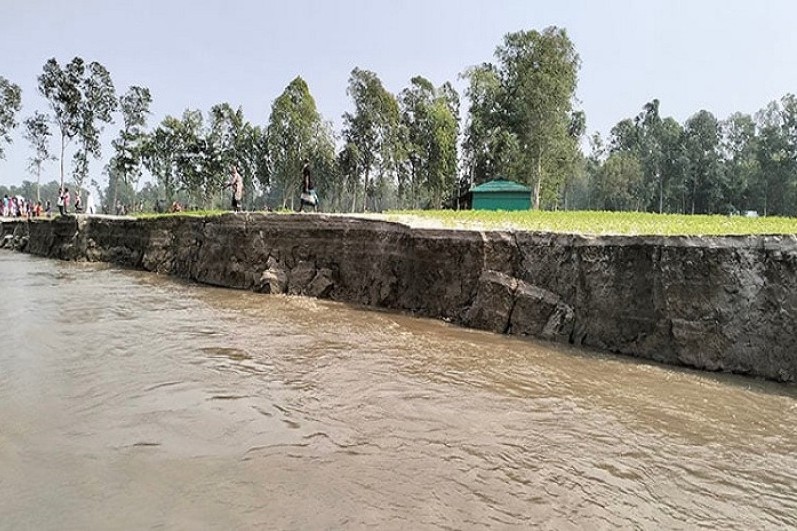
{"x": 132, "y": 401}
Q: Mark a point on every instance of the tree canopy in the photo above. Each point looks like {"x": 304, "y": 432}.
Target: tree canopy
{"x": 521, "y": 124}
{"x": 10, "y": 104}
{"x": 82, "y": 98}
{"x": 295, "y": 132}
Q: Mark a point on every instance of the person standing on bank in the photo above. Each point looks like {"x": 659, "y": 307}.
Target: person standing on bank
{"x": 308, "y": 197}
{"x": 60, "y": 201}
{"x": 90, "y": 208}
{"x": 237, "y": 185}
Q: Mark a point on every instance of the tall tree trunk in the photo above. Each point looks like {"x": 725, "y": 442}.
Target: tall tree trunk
{"x": 115, "y": 188}
{"x": 538, "y": 185}
{"x": 766, "y": 196}
{"x": 661, "y": 192}
{"x": 589, "y": 192}
{"x": 63, "y": 148}
{"x": 38, "y": 181}
{"x": 365, "y": 191}
{"x": 683, "y": 197}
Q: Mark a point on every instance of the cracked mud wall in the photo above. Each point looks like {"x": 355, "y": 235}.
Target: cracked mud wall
{"x": 711, "y": 303}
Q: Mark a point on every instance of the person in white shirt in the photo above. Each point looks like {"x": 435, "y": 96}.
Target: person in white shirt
{"x": 90, "y": 208}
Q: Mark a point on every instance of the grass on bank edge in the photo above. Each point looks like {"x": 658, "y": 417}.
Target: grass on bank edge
{"x": 185, "y": 213}
{"x": 207, "y": 213}
{"x": 603, "y": 223}
{"x": 570, "y": 222}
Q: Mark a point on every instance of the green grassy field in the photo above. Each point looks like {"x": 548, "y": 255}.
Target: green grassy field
{"x": 584, "y": 222}
{"x": 599, "y": 223}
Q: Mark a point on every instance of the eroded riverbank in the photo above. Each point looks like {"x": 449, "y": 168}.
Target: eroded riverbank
{"x": 719, "y": 303}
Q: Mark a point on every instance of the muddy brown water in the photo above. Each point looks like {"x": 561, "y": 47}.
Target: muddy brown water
{"x": 132, "y": 401}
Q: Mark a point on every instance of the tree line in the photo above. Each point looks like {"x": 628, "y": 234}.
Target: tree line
{"x": 398, "y": 151}
{"x": 410, "y": 150}
{"x": 703, "y": 166}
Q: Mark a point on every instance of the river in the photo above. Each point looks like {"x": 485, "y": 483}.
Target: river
{"x": 132, "y": 401}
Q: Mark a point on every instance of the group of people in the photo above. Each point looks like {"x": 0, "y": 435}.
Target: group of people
{"x": 309, "y": 197}
{"x": 64, "y": 200}
{"x": 19, "y": 207}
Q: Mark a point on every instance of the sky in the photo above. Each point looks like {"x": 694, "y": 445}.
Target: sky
{"x": 723, "y": 56}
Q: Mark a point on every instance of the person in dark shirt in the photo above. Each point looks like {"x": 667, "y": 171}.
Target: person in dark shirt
{"x": 309, "y": 196}
{"x": 237, "y": 185}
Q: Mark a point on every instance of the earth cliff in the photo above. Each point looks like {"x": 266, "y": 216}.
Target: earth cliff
{"x": 714, "y": 303}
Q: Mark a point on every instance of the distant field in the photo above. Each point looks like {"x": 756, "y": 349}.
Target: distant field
{"x": 598, "y": 223}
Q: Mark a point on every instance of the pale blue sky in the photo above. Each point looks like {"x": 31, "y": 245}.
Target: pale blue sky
{"x": 723, "y": 56}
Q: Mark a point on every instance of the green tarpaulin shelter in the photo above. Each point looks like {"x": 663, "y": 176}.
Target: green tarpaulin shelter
{"x": 501, "y": 194}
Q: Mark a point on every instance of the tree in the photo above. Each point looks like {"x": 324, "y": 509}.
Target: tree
{"x": 539, "y": 71}
{"x": 82, "y": 98}
{"x": 658, "y": 146}
{"x": 295, "y": 131}
{"x": 348, "y": 162}
{"x": 373, "y": 129}
{"x": 181, "y": 159}
{"x": 592, "y": 167}
{"x": 566, "y": 169}
{"x": 224, "y": 127}
{"x": 789, "y": 132}
{"x": 159, "y": 155}
{"x": 129, "y": 146}
{"x": 739, "y": 145}
{"x": 705, "y": 177}
{"x": 117, "y": 188}
{"x": 775, "y": 185}
{"x": 430, "y": 127}
{"x": 442, "y": 149}
{"x": 414, "y": 103}
{"x": 97, "y": 106}
{"x": 624, "y": 137}
{"x": 618, "y": 181}
{"x": 193, "y": 158}
{"x": 649, "y": 123}
{"x": 10, "y": 103}
{"x": 672, "y": 163}
{"x": 61, "y": 87}
{"x": 252, "y": 160}
{"x": 628, "y": 139}
{"x": 521, "y": 108}
{"x": 37, "y": 133}
{"x": 237, "y": 142}
{"x": 489, "y": 145}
